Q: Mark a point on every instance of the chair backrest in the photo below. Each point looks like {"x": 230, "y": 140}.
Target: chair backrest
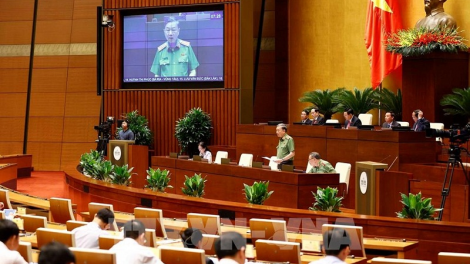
{"x": 332, "y": 121}
{"x": 61, "y": 210}
{"x": 107, "y": 242}
{"x": 452, "y": 258}
{"x": 172, "y": 255}
{"x": 366, "y": 119}
{"x": 71, "y": 224}
{"x": 207, "y": 223}
{"x": 272, "y": 164}
{"x": 5, "y": 199}
{"x": 437, "y": 126}
{"x": 45, "y": 236}
{"x": 150, "y": 238}
{"x": 93, "y": 209}
{"x": 399, "y": 261}
{"x": 26, "y": 251}
{"x": 403, "y": 123}
{"x": 309, "y": 167}
{"x": 277, "y": 251}
{"x": 93, "y": 256}
{"x": 208, "y": 244}
{"x": 220, "y": 155}
{"x": 344, "y": 170}
{"x": 245, "y": 160}
{"x": 152, "y": 219}
{"x": 31, "y": 222}
{"x": 2, "y": 215}
{"x": 268, "y": 229}
{"x": 355, "y": 234}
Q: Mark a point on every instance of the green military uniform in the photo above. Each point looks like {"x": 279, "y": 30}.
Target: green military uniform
{"x": 174, "y": 62}
{"x": 323, "y": 167}
{"x": 285, "y": 147}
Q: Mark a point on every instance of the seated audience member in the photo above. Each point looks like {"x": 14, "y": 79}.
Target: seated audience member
{"x": 390, "y": 120}
{"x": 319, "y": 165}
{"x": 230, "y": 248}
{"x": 126, "y": 133}
{"x": 317, "y": 119}
{"x": 336, "y": 247}
{"x": 204, "y": 152}
{"x": 9, "y": 243}
{"x": 351, "y": 119}
{"x": 87, "y": 236}
{"x": 421, "y": 123}
{"x": 192, "y": 238}
{"x": 131, "y": 249}
{"x": 304, "y": 118}
{"x": 56, "y": 253}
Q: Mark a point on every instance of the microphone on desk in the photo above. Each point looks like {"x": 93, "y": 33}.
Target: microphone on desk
{"x": 385, "y": 158}
{"x": 392, "y": 163}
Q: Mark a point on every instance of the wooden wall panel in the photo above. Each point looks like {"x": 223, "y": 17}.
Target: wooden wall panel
{"x": 12, "y": 104}
{"x": 13, "y": 10}
{"x": 45, "y": 129}
{"x": 47, "y": 104}
{"x": 71, "y": 153}
{"x": 82, "y": 104}
{"x": 55, "y": 10}
{"x": 15, "y": 33}
{"x": 46, "y": 156}
{"x": 53, "y": 31}
{"x": 13, "y": 80}
{"x": 81, "y": 80}
{"x": 80, "y": 129}
{"x": 14, "y": 62}
{"x": 14, "y": 125}
{"x": 84, "y": 31}
{"x": 83, "y": 9}
{"x": 82, "y": 61}
{"x": 49, "y": 80}
{"x": 11, "y": 147}
{"x": 48, "y": 62}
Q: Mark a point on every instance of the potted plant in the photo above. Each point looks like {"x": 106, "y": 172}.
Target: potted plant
{"x": 194, "y": 127}
{"x": 389, "y": 101}
{"x": 89, "y": 163}
{"x": 121, "y": 175}
{"x": 257, "y": 193}
{"x": 158, "y": 179}
{"x": 326, "y": 200}
{"x": 416, "y": 207}
{"x": 324, "y": 100}
{"x": 139, "y": 126}
{"x": 359, "y": 101}
{"x": 194, "y": 186}
{"x": 457, "y": 103}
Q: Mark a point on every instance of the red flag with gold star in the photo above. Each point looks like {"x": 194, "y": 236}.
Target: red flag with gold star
{"x": 383, "y": 17}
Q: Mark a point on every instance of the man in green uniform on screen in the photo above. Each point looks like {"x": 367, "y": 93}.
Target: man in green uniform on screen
{"x": 175, "y": 57}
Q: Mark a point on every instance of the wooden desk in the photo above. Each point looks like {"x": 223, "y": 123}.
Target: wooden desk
{"x": 291, "y": 190}
{"x": 8, "y": 174}
{"x": 24, "y": 163}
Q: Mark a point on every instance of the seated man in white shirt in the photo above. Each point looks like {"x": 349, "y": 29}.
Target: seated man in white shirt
{"x": 131, "y": 249}
{"x": 9, "y": 243}
{"x": 336, "y": 247}
{"x": 87, "y": 236}
{"x": 56, "y": 253}
{"x": 230, "y": 248}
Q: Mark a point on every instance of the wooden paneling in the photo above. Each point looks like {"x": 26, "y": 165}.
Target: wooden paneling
{"x": 48, "y": 62}
{"x": 71, "y": 152}
{"x": 13, "y": 10}
{"x": 49, "y": 80}
{"x": 13, "y": 80}
{"x": 80, "y": 129}
{"x": 81, "y": 80}
{"x": 14, "y": 125}
{"x": 15, "y": 33}
{"x": 14, "y": 62}
{"x": 46, "y": 156}
{"x": 84, "y": 31}
{"x": 47, "y": 104}
{"x": 55, "y": 9}
{"x": 82, "y": 61}
{"x": 45, "y": 129}
{"x": 83, "y": 9}
{"x": 11, "y": 147}
{"x": 82, "y": 104}
{"x": 53, "y": 31}
{"x": 12, "y": 104}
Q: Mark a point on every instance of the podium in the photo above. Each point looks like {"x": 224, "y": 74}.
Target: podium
{"x": 122, "y": 152}
{"x": 118, "y": 151}
{"x": 366, "y": 186}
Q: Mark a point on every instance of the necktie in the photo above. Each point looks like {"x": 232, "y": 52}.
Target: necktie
{"x": 348, "y": 124}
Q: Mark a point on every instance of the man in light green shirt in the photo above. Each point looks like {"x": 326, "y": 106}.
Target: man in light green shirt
{"x": 285, "y": 147}
{"x": 319, "y": 165}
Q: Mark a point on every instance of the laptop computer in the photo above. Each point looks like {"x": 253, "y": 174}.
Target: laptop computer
{"x": 401, "y": 128}
{"x": 224, "y": 161}
{"x": 334, "y": 125}
{"x": 174, "y": 155}
{"x": 289, "y": 168}
{"x": 257, "y": 164}
{"x": 274, "y": 123}
{"x": 197, "y": 158}
{"x": 365, "y": 127}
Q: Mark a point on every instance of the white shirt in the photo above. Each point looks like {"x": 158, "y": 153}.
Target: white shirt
{"x": 207, "y": 155}
{"x": 128, "y": 251}
{"x": 9, "y": 256}
{"x": 227, "y": 261}
{"x": 87, "y": 236}
{"x": 328, "y": 260}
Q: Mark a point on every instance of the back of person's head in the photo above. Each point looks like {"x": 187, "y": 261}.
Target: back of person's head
{"x": 105, "y": 215}
{"x": 8, "y": 229}
{"x": 349, "y": 111}
{"x": 191, "y": 237}
{"x": 315, "y": 155}
{"x": 416, "y": 112}
{"x": 133, "y": 229}
{"x": 56, "y": 253}
{"x": 229, "y": 244}
{"x": 335, "y": 240}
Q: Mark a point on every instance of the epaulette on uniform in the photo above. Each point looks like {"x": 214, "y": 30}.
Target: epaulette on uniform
{"x": 161, "y": 47}
{"x": 184, "y": 42}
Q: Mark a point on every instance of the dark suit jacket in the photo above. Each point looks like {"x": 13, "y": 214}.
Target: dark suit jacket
{"x": 307, "y": 122}
{"x": 354, "y": 122}
{"x": 319, "y": 121}
{"x": 394, "y": 124}
{"x": 421, "y": 125}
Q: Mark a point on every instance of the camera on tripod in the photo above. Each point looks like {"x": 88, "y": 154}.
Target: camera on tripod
{"x": 454, "y": 134}
{"x": 104, "y": 134}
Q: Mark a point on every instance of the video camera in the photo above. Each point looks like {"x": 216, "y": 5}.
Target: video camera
{"x": 105, "y": 127}
{"x": 454, "y": 134}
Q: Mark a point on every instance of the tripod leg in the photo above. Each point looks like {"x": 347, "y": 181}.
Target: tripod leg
{"x": 446, "y": 190}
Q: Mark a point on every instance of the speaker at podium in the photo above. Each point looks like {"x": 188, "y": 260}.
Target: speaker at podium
{"x": 118, "y": 151}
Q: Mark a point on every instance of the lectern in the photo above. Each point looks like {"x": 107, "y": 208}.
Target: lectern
{"x": 365, "y": 186}
{"x": 118, "y": 151}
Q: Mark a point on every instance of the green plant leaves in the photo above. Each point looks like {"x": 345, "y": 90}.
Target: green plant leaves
{"x": 325, "y": 100}
{"x": 360, "y": 101}
{"x": 257, "y": 193}
{"x": 139, "y": 126}
{"x": 457, "y": 103}
{"x": 194, "y": 127}
{"x": 158, "y": 180}
{"x": 415, "y": 207}
{"x": 194, "y": 186}
{"x": 121, "y": 175}
{"x": 389, "y": 101}
{"x": 326, "y": 200}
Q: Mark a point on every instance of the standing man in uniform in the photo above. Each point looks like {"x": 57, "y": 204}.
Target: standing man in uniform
{"x": 175, "y": 57}
{"x": 285, "y": 148}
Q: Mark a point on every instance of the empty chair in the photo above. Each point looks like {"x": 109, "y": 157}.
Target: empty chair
{"x": 437, "y": 126}
{"x": 61, "y": 210}
{"x": 277, "y": 251}
{"x": 152, "y": 219}
{"x": 172, "y": 255}
{"x": 272, "y": 164}
{"x": 93, "y": 208}
{"x": 93, "y": 256}
{"x": 45, "y": 236}
{"x": 332, "y": 121}
{"x": 403, "y": 123}
{"x": 219, "y": 156}
{"x": 344, "y": 170}
{"x": 208, "y": 224}
{"x": 31, "y": 222}
{"x": 5, "y": 199}
{"x": 356, "y": 236}
{"x": 452, "y": 258}
{"x": 268, "y": 230}
{"x": 71, "y": 225}
{"x": 107, "y": 242}
{"x": 246, "y": 160}
{"x": 366, "y": 119}
{"x": 399, "y": 261}
{"x": 208, "y": 244}
{"x": 26, "y": 251}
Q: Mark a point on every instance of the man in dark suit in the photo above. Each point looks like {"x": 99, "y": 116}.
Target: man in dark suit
{"x": 421, "y": 123}
{"x": 390, "y": 120}
{"x": 351, "y": 119}
{"x": 304, "y": 118}
{"x": 317, "y": 119}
